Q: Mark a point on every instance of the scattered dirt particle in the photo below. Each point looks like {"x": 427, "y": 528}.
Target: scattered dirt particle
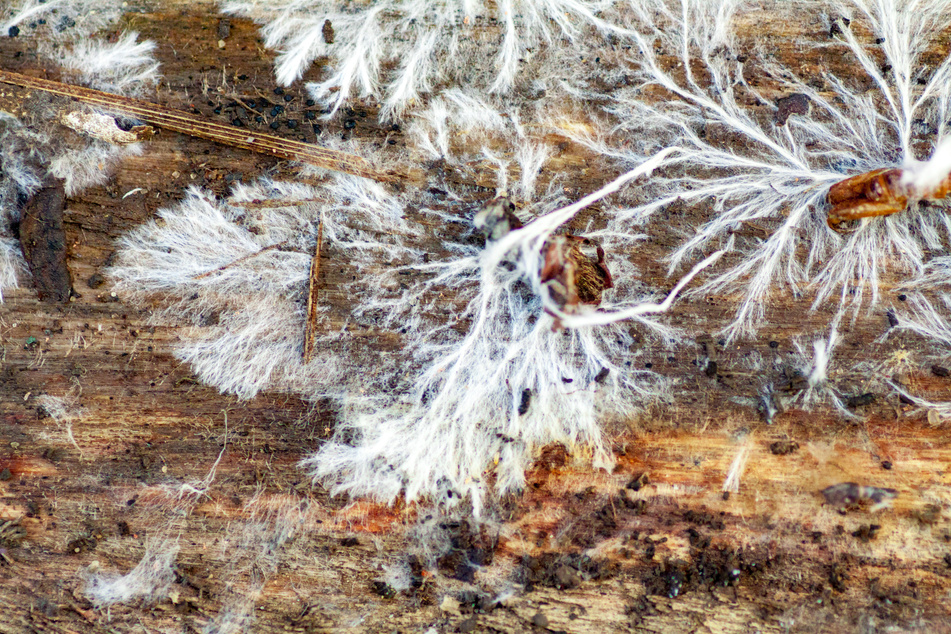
{"x": 540, "y": 620}
{"x": 383, "y": 589}
{"x": 866, "y": 532}
{"x": 796, "y": 103}
{"x": 837, "y": 578}
{"x": 80, "y": 545}
{"x": 860, "y": 400}
{"x": 783, "y": 447}
{"x": 639, "y": 480}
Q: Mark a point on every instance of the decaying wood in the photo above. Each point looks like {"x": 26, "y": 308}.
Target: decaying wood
{"x": 583, "y": 550}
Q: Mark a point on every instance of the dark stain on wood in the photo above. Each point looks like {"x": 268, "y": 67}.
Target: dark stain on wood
{"x": 43, "y": 240}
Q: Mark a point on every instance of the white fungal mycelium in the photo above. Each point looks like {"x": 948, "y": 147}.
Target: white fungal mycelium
{"x": 760, "y": 172}
{"x": 431, "y": 43}
{"x": 474, "y": 377}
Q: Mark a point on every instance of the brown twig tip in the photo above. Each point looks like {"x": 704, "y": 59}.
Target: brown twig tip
{"x": 876, "y": 193}
{"x": 310, "y": 331}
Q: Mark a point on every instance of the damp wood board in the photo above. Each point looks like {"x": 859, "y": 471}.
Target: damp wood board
{"x": 602, "y": 552}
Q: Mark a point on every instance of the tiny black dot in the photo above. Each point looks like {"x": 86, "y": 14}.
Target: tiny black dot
{"x": 317, "y": 128}
{"x": 243, "y": 77}
{"x": 41, "y": 21}
{"x": 275, "y": 125}
{"x": 252, "y": 104}
{"x": 349, "y": 124}
{"x": 902, "y": 297}
{"x": 391, "y": 141}
{"x": 259, "y": 119}
{"x": 648, "y": 365}
{"x": 13, "y": 31}
{"x": 774, "y": 344}
{"x": 218, "y": 110}
{"x": 278, "y": 91}
{"x": 309, "y": 103}
{"x": 395, "y": 127}
{"x": 236, "y": 122}
{"x": 671, "y": 359}
{"x": 276, "y": 110}
{"x": 310, "y": 115}
{"x": 288, "y": 97}
{"x": 211, "y": 103}
{"x": 291, "y": 123}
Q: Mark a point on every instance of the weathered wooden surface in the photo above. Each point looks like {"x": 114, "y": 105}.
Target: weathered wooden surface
{"x": 583, "y": 553}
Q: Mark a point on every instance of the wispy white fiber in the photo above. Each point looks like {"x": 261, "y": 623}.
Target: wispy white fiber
{"x": 744, "y": 172}
{"x": 423, "y": 42}
{"x": 150, "y": 580}
{"x": 732, "y": 481}
{"x": 90, "y": 165}
{"x": 125, "y": 66}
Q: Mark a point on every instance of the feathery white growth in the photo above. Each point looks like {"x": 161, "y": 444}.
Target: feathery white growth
{"x": 125, "y": 66}
{"x": 11, "y": 264}
{"x": 926, "y": 319}
{"x": 941, "y": 410}
{"x": 205, "y": 255}
{"x": 426, "y": 42}
{"x": 743, "y": 171}
{"x": 253, "y": 549}
{"x": 926, "y": 176}
{"x": 482, "y": 402}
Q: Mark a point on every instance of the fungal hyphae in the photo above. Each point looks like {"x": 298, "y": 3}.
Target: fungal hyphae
{"x": 758, "y": 167}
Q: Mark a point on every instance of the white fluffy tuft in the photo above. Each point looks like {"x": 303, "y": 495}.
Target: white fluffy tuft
{"x": 125, "y": 66}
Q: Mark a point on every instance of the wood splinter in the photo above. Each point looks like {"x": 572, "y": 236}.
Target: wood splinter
{"x": 310, "y": 332}
{"x": 187, "y": 123}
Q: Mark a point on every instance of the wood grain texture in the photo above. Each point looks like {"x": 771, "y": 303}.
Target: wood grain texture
{"x": 583, "y": 550}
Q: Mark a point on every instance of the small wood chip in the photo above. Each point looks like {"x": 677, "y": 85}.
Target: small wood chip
{"x": 43, "y": 240}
